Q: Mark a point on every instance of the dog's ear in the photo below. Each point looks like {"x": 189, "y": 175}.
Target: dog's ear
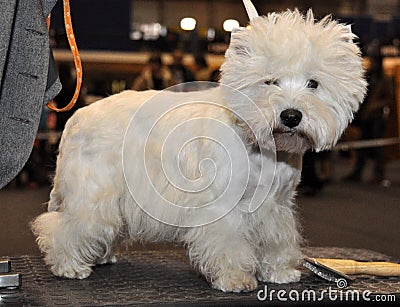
{"x": 236, "y": 31}
{"x": 348, "y": 29}
{"x": 238, "y": 43}
{"x": 347, "y": 34}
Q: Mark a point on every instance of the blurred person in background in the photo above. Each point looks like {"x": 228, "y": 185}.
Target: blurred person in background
{"x": 201, "y": 70}
{"x": 179, "y": 71}
{"x": 155, "y": 76}
{"x": 310, "y": 183}
{"x": 371, "y": 120}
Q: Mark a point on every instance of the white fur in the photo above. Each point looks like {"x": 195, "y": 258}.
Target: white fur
{"x": 91, "y": 205}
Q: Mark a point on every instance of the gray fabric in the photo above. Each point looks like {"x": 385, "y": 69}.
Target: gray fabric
{"x": 25, "y": 85}
{"x": 7, "y": 9}
{"x": 48, "y": 6}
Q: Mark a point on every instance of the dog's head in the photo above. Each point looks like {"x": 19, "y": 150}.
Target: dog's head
{"x": 305, "y": 76}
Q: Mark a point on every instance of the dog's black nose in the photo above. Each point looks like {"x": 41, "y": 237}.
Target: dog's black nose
{"x": 291, "y": 117}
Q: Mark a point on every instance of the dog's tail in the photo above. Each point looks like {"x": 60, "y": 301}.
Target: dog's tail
{"x": 43, "y": 227}
{"x": 62, "y": 246}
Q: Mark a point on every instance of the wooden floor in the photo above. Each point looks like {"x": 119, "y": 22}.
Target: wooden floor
{"x": 356, "y": 215}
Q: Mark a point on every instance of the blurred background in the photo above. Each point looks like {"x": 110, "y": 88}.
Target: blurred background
{"x": 349, "y": 196}
{"x": 116, "y": 37}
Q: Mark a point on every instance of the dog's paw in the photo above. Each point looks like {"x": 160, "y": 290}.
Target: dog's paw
{"x": 107, "y": 260}
{"x": 281, "y": 276}
{"x": 72, "y": 272}
{"x": 239, "y": 282}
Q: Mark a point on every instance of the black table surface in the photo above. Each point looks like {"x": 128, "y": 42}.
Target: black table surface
{"x": 165, "y": 277}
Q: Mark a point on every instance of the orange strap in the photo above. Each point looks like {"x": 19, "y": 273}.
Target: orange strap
{"x": 75, "y": 53}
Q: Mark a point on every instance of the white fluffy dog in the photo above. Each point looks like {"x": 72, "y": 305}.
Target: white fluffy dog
{"x": 226, "y": 190}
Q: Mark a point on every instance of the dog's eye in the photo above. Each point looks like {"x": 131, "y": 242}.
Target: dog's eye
{"x": 272, "y": 82}
{"x": 312, "y": 84}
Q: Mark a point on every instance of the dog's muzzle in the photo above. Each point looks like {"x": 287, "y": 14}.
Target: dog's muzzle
{"x": 291, "y": 117}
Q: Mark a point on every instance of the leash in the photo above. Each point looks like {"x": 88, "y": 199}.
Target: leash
{"x": 75, "y": 53}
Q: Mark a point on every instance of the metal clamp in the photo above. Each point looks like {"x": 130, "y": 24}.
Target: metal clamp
{"x": 8, "y": 280}
{"x": 5, "y": 266}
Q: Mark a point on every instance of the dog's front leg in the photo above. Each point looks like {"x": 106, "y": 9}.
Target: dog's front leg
{"x": 223, "y": 256}
{"x": 279, "y": 249}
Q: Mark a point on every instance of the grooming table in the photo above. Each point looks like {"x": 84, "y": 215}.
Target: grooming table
{"x": 164, "y": 277}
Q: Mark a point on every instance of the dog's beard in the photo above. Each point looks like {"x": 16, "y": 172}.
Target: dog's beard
{"x": 292, "y": 140}
{"x": 286, "y": 140}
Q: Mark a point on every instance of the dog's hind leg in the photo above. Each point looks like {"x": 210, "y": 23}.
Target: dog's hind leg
{"x": 74, "y": 241}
